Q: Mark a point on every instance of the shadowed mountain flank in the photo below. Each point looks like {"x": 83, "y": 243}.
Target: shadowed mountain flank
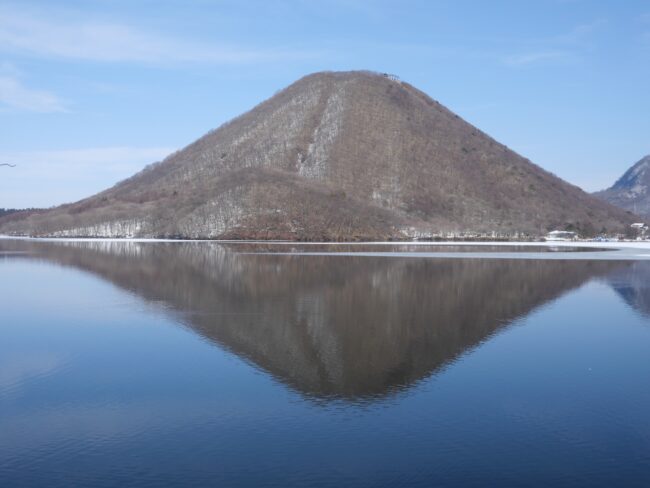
{"x": 632, "y": 190}
{"x": 335, "y": 156}
{"x": 330, "y": 327}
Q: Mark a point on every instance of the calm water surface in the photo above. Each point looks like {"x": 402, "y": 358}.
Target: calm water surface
{"x": 196, "y": 364}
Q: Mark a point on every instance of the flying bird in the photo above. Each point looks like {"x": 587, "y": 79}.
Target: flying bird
{"x": 7, "y": 164}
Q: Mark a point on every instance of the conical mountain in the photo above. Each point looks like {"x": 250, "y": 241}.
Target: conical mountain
{"x": 632, "y": 190}
{"x": 334, "y": 156}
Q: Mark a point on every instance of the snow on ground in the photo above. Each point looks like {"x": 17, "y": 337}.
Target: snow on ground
{"x": 621, "y": 250}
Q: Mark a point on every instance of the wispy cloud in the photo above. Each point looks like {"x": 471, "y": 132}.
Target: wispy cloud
{"x": 535, "y": 57}
{"x": 569, "y": 46}
{"x": 107, "y": 159}
{"x": 66, "y": 35}
{"x": 14, "y": 94}
{"x": 581, "y": 33}
{"x": 44, "y": 178}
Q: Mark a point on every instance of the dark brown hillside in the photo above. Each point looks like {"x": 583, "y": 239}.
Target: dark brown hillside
{"x": 335, "y": 156}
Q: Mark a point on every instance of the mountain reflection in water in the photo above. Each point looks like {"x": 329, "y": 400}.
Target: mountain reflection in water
{"x": 633, "y": 286}
{"x": 350, "y": 328}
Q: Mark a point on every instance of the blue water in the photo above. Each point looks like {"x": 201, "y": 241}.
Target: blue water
{"x": 193, "y": 365}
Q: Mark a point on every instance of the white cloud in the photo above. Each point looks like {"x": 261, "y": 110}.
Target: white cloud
{"x": 14, "y": 94}
{"x": 582, "y": 33}
{"x": 107, "y": 159}
{"x": 65, "y": 35}
{"x": 569, "y": 46}
{"x": 46, "y": 178}
{"x": 534, "y": 57}
{"x": 9, "y": 69}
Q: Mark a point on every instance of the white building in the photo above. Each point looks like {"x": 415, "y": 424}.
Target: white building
{"x": 641, "y": 230}
{"x": 561, "y": 235}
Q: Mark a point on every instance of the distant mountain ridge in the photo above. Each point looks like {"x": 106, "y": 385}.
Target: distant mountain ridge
{"x": 632, "y": 190}
{"x": 336, "y": 155}
{"x": 10, "y": 211}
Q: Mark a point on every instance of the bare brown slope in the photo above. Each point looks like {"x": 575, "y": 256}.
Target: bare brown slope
{"x": 335, "y": 155}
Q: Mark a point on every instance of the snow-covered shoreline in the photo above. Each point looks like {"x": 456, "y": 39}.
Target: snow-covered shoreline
{"x": 609, "y": 250}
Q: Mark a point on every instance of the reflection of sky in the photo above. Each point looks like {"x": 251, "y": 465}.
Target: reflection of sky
{"x": 81, "y": 359}
{"x": 16, "y": 370}
{"x": 115, "y": 388}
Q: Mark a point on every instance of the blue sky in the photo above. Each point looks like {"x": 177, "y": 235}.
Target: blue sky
{"x": 90, "y": 92}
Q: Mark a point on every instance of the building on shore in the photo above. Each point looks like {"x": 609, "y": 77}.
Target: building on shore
{"x": 561, "y": 235}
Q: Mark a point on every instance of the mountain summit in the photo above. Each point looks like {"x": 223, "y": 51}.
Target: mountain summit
{"x": 632, "y": 190}
{"x": 349, "y": 155}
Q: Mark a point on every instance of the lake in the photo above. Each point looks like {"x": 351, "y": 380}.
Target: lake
{"x": 201, "y": 364}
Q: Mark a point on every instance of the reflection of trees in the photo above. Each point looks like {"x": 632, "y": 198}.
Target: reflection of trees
{"x": 332, "y": 326}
